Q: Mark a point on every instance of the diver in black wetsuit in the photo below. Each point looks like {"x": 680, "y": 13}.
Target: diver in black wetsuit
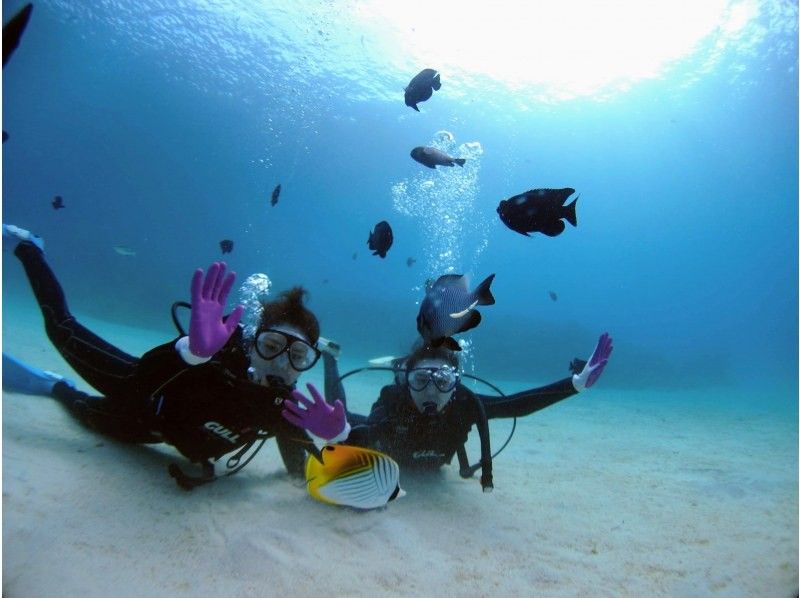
{"x": 424, "y": 419}
{"x": 208, "y": 393}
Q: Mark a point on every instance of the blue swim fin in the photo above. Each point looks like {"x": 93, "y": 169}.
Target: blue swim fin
{"x": 20, "y": 377}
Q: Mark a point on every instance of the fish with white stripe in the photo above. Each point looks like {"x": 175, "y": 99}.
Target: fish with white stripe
{"x": 353, "y": 476}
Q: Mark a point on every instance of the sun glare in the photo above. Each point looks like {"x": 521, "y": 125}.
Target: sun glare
{"x": 567, "y": 48}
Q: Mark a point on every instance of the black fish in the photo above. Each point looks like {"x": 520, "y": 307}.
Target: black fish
{"x": 553, "y": 295}
{"x": 13, "y": 30}
{"x": 449, "y": 308}
{"x": 58, "y": 202}
{"x": 421, "y": 87}
{"x": 226, "y": 245}
{"x": 410, "y": 262}
{"x": 432, "y": 157}
{"x": 538, "y": 211}
{"x": 576, "y": 365}
{"x": 5, "y": 136}
{"x": 275, "y": 193}
{"x": 381, "y": 239}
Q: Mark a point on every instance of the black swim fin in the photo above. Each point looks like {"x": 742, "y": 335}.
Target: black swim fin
{"x": 13, "y": 30}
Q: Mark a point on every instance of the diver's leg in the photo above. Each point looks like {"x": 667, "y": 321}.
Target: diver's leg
{"x": 98, "y": 362}
{"x": 104, "y": 415}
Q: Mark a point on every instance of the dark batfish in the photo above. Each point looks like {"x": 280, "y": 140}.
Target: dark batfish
{"x": 380, "y": 239}
{"x": 410, "y": 262}
{"x": 58, "y": 202}
{"x": 538, "y": 211}
{"x": 432, "y": 157}
{"x": 421, "y": 87}
{"x": 275, "y": 194}
{"x": 449, "y": 308}
{"x": 553, "y": 295}
{"x": 13, "y": 30}
{"x": 226, "y": 245}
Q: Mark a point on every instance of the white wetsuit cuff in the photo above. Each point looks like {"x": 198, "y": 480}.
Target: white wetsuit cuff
{"x": 320, "y": 442}
{"x": 182, "y": 347}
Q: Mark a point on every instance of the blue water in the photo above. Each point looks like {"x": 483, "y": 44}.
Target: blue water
{"x": 166, "y": 128}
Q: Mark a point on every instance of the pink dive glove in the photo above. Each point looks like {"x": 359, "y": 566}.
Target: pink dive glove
{"x": 207, "y": 332}
{"x": 319, "y": 418}
{"x": 597, "y": 362}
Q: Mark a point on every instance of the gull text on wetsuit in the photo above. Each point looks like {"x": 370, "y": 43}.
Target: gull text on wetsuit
{"x": 222, "y": 431}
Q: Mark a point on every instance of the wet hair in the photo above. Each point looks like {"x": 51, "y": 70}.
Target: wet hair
{"x": 422, "y": 351}
{"x": 288, "y": 309}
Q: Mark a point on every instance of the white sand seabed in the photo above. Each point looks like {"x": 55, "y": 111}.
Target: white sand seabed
{"x": 609, "y": 493}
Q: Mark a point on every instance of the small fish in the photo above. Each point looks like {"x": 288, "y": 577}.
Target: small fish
{"x": 432, "y": 157}
{"x": 380, "y": 239}
{"x": 576, "y": 365}
{"x": 325, "y": 281}
{"x": 553, "y": 295}
{"x": 226, "y": 245}
{"x": 353, "y": 477}
{"x": 123, "y": 250}
{"x": 13, "y": 30}
{"x": 275, "y": 194}
{"x": 422, "y": 86}
{"x": 538, "y": 211}
{"x": 58, "y": 203}
{"x": 355, "y": 255}
{"x": 449, "y": 308}
{"x": 5, "y": 136}
{"x": 410, "y": 262}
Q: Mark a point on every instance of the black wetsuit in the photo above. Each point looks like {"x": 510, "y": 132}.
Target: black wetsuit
{"x": 396, "y": 427}
{"x": 205, "y": 411}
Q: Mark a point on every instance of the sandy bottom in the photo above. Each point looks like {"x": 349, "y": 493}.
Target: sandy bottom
{"x": 609, "y": 493}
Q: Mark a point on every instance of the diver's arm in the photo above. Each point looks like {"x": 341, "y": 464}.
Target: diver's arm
{"x": 375, "y": 429}
{"x": 528, "y": 401}
{"x": 334, "y": 390}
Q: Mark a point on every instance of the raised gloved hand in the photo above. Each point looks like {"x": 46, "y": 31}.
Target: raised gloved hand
{"x": 325, "y": 421}
{"x": 207, "y": 332}
{"x": 594, "y": 367}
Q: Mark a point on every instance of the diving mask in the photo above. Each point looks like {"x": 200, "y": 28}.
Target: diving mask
{"x": 444, "y": 378}
{"x": 271, "y": 343}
